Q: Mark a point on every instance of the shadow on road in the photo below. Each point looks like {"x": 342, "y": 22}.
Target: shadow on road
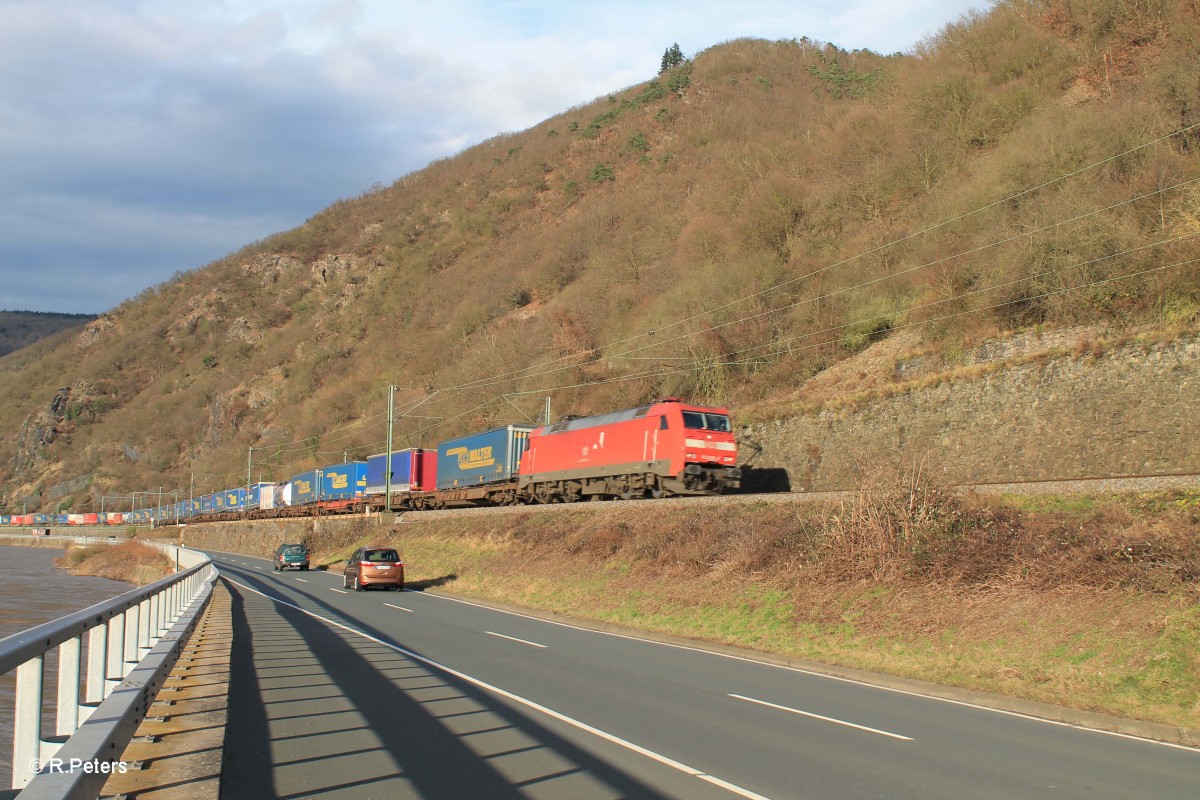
{"x": 320, "y": 712}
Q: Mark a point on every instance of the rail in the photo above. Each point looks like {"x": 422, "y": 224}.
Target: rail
{"x": 132, "y": 643}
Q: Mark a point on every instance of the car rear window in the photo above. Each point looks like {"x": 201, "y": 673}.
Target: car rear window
{"x": 294, "y": 549}
{"x": 381, "y": 555}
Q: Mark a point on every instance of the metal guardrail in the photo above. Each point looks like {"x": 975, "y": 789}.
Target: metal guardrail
{"x": 133, "y": 641}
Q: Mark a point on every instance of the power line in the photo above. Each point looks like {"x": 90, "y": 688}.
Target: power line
{"x": 879, "y": 248}
{"x": 525, "y": 373}
{"x": 864, "y": 284}
{"x": 731, "y": 361}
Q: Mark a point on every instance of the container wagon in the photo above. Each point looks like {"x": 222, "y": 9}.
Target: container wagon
{"x": 481, "y": 468}
{"x": 413, "y": 470}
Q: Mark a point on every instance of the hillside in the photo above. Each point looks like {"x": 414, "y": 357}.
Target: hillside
{"x": 21, "y": 328}
{"x": 723, "y": 232}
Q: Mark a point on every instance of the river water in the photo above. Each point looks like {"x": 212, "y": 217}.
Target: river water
{"x": 33, "y": 591}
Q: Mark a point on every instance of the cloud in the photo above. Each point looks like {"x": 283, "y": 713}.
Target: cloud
{"x": 137, "y": 139}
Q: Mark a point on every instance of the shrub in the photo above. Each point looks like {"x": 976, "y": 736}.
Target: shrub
{"x": 842, "y": 80}
{"x": 601, "y": 173}
{"x": 679, "y": 80}
{"x": 519, "y": 297}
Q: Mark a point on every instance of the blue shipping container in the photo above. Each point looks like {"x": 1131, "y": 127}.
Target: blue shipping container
{"x": 482, "y": 458}
{"x": 5, "y": 519}
{"x": 235, "y": 499}
{"x": 304, "y": 488}
{"x": 344, "y": 481}
{"x": 402, "y": 462}
{"x": 206, "y": 504}
{"x": 61, "y": 519}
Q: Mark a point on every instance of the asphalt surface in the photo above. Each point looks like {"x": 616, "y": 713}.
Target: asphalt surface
{"x": 393, "y": 695}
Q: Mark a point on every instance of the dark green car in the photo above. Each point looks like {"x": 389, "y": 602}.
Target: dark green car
{"x": 291, "y": 556}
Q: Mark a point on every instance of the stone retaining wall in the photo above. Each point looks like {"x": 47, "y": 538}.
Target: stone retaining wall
{"x": 1131, "y": 410}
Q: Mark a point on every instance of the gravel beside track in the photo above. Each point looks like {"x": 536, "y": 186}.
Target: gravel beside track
{"x": 1089, "y": 486}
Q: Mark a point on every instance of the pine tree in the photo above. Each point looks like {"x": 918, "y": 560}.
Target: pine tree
{"x": 672, "y": 58}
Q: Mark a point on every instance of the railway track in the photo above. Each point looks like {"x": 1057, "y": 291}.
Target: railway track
{"x": 1105, "y": 485}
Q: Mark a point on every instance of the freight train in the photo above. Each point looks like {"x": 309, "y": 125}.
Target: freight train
{"x": 667, "y": 448}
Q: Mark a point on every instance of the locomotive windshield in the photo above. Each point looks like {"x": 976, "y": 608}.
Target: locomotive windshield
{"x": 698, "y": 421}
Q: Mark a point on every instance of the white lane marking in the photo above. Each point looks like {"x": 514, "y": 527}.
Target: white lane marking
{"x": 825, "y": 719}
{"x": 815, "y": 674}
{"x": 515, "y": 639}
{"x": 400, "y": 608}
{"x": 339, "y": 591}
{"x": 258, "y": 567}
{"x": 302, "y": 580}
{"x": 583, "y": 726}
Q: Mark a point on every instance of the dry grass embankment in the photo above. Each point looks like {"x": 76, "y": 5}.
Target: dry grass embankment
{"x": 130, "y": 561}
{"x": 1086, "y": 602}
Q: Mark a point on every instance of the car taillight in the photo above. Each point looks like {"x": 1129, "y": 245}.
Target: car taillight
{"x": 366, "y": 563}
{"x": 399, "y": 563}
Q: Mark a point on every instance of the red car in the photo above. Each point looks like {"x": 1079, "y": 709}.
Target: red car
{"x": 667, "y": 447}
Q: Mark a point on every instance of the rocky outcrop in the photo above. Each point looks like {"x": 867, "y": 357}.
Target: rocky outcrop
{"x": 40, "y": 430}
{"x": 96, "y": 331}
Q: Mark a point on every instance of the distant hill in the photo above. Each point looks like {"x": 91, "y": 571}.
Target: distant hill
{"x": 22, "y": 328}
{"x": 724, "y": 232}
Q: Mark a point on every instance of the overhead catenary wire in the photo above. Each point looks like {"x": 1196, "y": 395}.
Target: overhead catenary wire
{"x": 526, "y": 373}
{"x": 872, "y": 282}
{"x": 729, "y": 361}
{"x": 1005, "y": 200}
{"x": 709, "y": 362}
{"x": 739, "y": 357}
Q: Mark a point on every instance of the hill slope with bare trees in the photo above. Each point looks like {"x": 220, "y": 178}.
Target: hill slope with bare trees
{"x": 729, "y": 229}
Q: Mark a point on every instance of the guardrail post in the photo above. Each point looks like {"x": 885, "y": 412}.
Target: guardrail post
{"x": 143, "y": 638}
{"x": 27, "y": 721}
{"x": 68, "y": 686}
{"x": 116, "y": 653}
{"x": 153, "y": 619}
{"x": 129, "y": 650}
{"x": 165, "y": 620}
{"x": 97, "y": 661}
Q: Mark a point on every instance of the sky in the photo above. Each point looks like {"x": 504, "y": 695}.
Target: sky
{"x": 139, "y": 138}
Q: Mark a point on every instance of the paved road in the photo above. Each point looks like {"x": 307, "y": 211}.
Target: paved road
{"x": 384, "y": 695}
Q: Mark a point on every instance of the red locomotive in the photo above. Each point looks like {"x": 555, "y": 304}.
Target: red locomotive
{"x": 666, "y": 448}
